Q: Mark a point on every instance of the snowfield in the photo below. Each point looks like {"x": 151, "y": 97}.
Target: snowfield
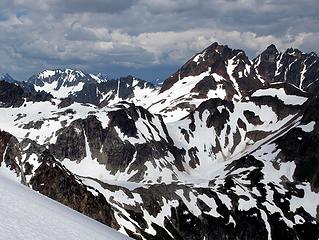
{"x": 28, "y": 215}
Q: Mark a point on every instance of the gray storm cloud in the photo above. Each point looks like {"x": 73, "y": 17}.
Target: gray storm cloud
{"x": 145, "y": 37}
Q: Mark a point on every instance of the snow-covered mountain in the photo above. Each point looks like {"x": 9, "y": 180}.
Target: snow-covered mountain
{"x": 224, "y": 73}
{"x": 27, "y": 215}
{"x": 216, "y": 72}
{"x": 224, "y": 149}
{"x": 89, "y": 88}
{"x": 61, "y": 83}
{"x": 101, "y": 77}
{"x": 114, "y": 91}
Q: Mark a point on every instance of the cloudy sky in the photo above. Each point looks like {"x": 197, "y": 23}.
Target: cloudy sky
{"x": 146, "y": 38}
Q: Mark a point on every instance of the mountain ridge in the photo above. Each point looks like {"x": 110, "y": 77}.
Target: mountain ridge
{"x": 6, "y": 77}
{"x": 222, "y": 151}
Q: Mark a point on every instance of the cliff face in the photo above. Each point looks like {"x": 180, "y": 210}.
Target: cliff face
{"x": 65, "y": 188}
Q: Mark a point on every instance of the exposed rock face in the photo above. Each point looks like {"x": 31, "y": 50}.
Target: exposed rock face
{"x": 125, "y": 89}
{"x": 301, "y": 147}
{"x": 293, "y": 66}
{"x": 10, "y": 95}
{"x": 268, "y": 63}
{"x": 66, "y": 189}
{"x": 49, "y": 177}
{"x": 104, "y": 144}
{"x": 65, "y": 102}
{"x": 109, "y": 148}
{"x": 87, "y": 88}
{"x": 217, "y": 59}
{"x": 5, "y": 139}
{"x": 62, "y": 78}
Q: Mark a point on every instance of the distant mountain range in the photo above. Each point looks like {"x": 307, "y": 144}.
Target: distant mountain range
{"x": 225, "y": 148}
{"x": 6, "y": 77}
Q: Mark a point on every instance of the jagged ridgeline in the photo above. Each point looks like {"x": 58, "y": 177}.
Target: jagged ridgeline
{"x": 226, "y": 148}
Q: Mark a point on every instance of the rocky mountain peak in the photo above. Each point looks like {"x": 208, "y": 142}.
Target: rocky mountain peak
{"x": 64, "y": 76}
{"x": 61, "y": 82}
{"x": 213, "y": 59}
{"x": 291, "y": 66}
{"x": 265, "y": 63}
{"x": 294, "y": 52}
{"x": 271, "y": 49}
{"x": 269, "y": 54}
{"x": 213, "y": 49}
{"x": 101, "y": 76}
{"x": 6, "y": 77}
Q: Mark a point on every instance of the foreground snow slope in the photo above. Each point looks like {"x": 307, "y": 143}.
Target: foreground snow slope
{"x": 26, "y": 214}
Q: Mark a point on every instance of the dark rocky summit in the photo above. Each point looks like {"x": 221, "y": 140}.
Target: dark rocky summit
{"x": 12, "y": 95}
{"x": 293, "y": 66}
{"x": 216, "y": 59}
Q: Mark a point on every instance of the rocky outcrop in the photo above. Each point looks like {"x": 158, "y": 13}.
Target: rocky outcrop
{"x": 56, "y": 182}
{"x": 301, "y": 147}
{"x": 216, "y": 59}
{"x": 4, "y": 141}
{"x": 63, "y": 78}
{"x": 221, "y": 220}
{"x": 10, "y": 95}
{"x": 86, "y": 88}
{"x": 112, "y": 146}
{"x": 292, "y": 66}
{"x": 13, "y": 95}
{"x": 268, "y": 63}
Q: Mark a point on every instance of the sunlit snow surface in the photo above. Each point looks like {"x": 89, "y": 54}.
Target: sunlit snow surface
{"x": 61, "y": 92}
{"x": 61, "y": 88}
{"x": 280, "y": 93}
{"x": 28, "y": 215}
{"x": 14, "y": 120}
